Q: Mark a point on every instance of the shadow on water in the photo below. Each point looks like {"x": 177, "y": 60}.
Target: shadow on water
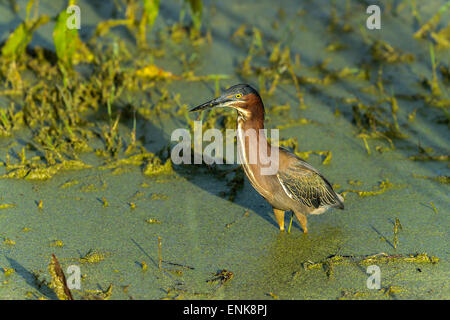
{"x": 31, "y": 279}
{"x": 382, "y": 236}
{"x": 144, "y": 252}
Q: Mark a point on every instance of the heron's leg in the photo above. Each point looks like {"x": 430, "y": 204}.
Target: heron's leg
{"x": 279, "y": 216}
{"x": 303, "y": 221}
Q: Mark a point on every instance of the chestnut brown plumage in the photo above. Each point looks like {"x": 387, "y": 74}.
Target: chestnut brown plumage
{"x": 296, "y": 185}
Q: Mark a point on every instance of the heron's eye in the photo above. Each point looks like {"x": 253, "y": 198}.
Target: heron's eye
{"x": 238, "y": 96}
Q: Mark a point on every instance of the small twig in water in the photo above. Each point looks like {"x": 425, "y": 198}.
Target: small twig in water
{"x": 159, "y": 254}
{"x": 397, "y": 225}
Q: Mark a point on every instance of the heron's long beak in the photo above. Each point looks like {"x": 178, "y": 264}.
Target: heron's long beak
{"x": 217, "y": 102}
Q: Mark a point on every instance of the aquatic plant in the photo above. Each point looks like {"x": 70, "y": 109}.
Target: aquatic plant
{"x": 382, "y": 187}
{"x": 93, "y": 256}
{"x": 18, "y": 40}
{"x": 70, "y": 50}
{"x": 432, "y": 23}
{"x": 196, "y": 7}
{"x": 382, "y": 258}
{"x": 149, "y": 10}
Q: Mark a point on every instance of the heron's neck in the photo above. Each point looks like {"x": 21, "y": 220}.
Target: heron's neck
{"x": 248, "y": 129}
{"x": 250, "y": 122}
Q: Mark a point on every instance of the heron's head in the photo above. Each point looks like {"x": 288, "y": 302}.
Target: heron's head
{"x": 241, "y": 97}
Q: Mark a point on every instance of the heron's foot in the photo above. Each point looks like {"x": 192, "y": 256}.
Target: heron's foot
{"x": 279, "y": 216}
{"x": 303, "y": 221}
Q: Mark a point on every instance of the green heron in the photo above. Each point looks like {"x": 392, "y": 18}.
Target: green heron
{"x": 296, "y": 185}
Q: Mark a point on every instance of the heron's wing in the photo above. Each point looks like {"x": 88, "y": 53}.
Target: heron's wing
{"x": 303, "y": 183}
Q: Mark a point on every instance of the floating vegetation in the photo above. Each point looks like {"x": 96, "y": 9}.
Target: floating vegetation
{"x": 393, "y": 290}
{"x": 104, "y": 202}
{"x": 431, "y": 24}
{"x": 98, "y": 294}
{"x": 351, "y": 294}
{"x": 441, "y": 179}
{"x": 279, "y": 69}
{"x": 273, "y": 295}
{"x": 152, "y": 221}
{"x": 38, "y": 171}
{"x": 292, "y": 144}
{"x": 93, "y": 256}
{"x": 382, "y": 51}
{"x": 57, "y": 243}
{"x": 293, "y": 123}
{"x": 9, "y": 242}
{"x": 152, "y": 72}
{"x": 135, "y": 160}
{"x": 380, "y": 258}
{"x": 69, "y": 184}
{"x": 8, "y": 271}
{"x": 368, "y": 120}
{"x": 278, "y": 109}
{"x": 156, "y": 167}
{"x": 148, "y": 12}
{"x": 327, "y": 155}
{"x": 137, "y": 195}
{"x": 335, "y": 46}
{"x": 9, "y": 120}
{"x": 389, "y": 291}
{"x": 158, "y": 196}
{"x": 221, "y": 277}
{"x": 426, "y": 157}
{"x": 412, "y": 115}
{"x": 7, "y": 205}
{"x": 61, "y": 133}
{"x": 381, "y": 188}
{"x": 92, "y": 188}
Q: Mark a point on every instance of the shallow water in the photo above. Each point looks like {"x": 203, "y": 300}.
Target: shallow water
{"x": 196, "y": 241}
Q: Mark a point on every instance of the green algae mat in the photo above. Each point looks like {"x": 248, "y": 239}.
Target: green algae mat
{"x": 92, "y": 207}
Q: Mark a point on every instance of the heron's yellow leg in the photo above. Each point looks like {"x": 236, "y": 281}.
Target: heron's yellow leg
{"x": 303, "y": 221}
{"x": 279, "y": 216}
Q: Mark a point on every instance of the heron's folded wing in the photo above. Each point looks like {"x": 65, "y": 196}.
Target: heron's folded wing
{"x": 308, "y": 187}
